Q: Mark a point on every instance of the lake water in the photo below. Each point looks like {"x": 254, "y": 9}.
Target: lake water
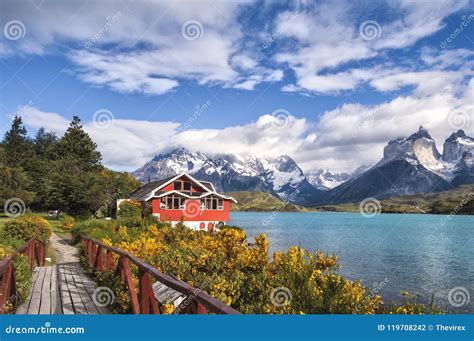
{"x": 424, "y": 254}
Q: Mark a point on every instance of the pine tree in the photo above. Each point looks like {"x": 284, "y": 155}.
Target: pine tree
{"x": 77, "y": 149}
{"x": 45, "y": 144}
{"x": 17, "y": 147}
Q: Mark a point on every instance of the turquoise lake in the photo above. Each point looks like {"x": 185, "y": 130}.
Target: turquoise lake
{"x": 424, "y": 254}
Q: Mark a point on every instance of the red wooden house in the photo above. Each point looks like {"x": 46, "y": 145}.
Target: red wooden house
{"x": 182, "y": 197}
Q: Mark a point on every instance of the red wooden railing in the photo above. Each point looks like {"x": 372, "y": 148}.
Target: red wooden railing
{"x": 102, "y": 257}
{"x": 35, "y": 251}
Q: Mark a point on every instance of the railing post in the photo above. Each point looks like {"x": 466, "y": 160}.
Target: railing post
{"x": 32, "y": 254}
{"x": 92, "y": 254}
{"x": 109, "y": 261}
{"x": 8, "y": 286}
{"x": 40, "y": 256}
{"x": 146, "y": 296}
{"x": 129, "y": 282}
{"x": 98, "y": 259}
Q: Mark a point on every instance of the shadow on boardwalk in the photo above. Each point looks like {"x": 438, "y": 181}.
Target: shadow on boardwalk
{"x": 62, "y": 288}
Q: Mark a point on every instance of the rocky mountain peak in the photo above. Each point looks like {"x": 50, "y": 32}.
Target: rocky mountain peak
{"x": 456, "y": 145}
{"x": 421, "y": 133}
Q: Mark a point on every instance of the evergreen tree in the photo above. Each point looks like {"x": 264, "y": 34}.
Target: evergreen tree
{"x": 41, "y": 167}
{"x": 45, "y": 144}
{"x": 78, "y": 150}
{"x": 13, "y": 182}
{"x": 17, "y": 147}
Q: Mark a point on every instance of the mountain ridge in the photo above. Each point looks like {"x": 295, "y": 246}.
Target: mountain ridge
{"x": 410, "y": 165}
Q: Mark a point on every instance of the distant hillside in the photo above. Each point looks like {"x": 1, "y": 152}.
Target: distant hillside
{"x": 459, "y": 200}
{"x": 261, "y": 202}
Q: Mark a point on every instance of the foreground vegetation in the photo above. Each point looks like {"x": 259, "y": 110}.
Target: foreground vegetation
{"x": 14, "y": 233}
{"x": 244, "y": 276}
{"x": 456, "y": 201}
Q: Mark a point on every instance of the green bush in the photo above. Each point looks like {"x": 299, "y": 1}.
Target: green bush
{"x": 22, "y": 276}
{"x": 67, "y": 223}
{"x": 130, "y": 209}
{"x": 27, "y": 227}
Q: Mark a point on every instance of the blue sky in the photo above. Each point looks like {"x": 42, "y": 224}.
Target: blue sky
{"x": 325, "y": 82}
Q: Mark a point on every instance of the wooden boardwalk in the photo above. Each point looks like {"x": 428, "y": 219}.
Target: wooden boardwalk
{"x": 61, "y": 289}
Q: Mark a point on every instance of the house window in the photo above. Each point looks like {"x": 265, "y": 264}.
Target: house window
{"x": 187, "y": 186}
{"x": 177, "y": 185}
{"x": 163, "y": 205}
{"x": 172, "y": 203}
{"x": 220, "y": 205}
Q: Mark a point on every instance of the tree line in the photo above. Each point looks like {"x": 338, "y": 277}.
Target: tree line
{"x": 49, "y": 172}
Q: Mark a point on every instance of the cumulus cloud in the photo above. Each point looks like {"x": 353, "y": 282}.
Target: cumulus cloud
{"x": 142, "y": 47}
{"x": 329, "y": 36}
{"x": 341, "y": 139}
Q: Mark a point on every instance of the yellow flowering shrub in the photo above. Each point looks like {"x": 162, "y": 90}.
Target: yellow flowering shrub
{"x": 67, "y": 223}
{"x": 245, "y": 276}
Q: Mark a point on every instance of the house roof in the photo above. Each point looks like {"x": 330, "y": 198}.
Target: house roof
{"x": 142, "y": 192}
{"x": 152, "y": 189}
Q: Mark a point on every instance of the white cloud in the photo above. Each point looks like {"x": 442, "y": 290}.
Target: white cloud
{"x": 328, "y": 38}
{"x": 341, "y": 139}
{"x": 140, "y": 47}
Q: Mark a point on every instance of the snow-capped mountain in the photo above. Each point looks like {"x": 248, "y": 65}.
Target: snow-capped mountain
{"x": 325, "y": 179}
{"x": 412, "y": 165}
{"x": 280, "y": 176}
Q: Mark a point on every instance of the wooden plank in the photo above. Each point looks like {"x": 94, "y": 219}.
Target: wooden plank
{"x": 86, "y": 298}
{"x": 55, "y": 294}
{"x": 23, "y": 309}
{"x": 35, "y": 302}
{"x": 90, "y": 286}
{"x": 79, "y": 307}
{"x": 45, "y": 307}
{"x": 66, "y": 302}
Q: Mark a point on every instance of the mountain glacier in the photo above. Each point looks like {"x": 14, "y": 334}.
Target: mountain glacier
{"x": 280, "y": 176}
{"x": 409, "y": 165}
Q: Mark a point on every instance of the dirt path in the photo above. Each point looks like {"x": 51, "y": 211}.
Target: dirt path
{"x": 65, "y": 253}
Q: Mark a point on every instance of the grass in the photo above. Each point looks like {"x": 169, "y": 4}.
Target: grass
{"x": 262, "y": 202}
{"x": 56, "y": 227}
{"x": 456, "y": 201}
